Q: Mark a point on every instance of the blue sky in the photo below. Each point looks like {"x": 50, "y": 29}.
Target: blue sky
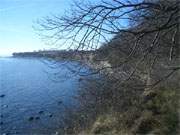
{"x": 16, "y": 21}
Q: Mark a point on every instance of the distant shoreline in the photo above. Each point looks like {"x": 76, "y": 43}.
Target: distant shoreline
{"x": 6, "y": 56}
{"x": 59, "y": 54}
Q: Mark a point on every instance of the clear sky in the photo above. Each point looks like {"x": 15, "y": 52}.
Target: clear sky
{"x": 16, "y": 21}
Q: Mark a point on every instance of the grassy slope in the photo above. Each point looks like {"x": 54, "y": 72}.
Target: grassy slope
{"x": 157, "y": 115}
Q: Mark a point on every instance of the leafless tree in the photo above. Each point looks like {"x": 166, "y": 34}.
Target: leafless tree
{"x": 142, "y": 31}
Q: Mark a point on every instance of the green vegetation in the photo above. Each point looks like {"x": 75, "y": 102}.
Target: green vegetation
{"x": 159, "y": 115}
{"x": 164, "y": 107}
{"x": 108, "y": 110}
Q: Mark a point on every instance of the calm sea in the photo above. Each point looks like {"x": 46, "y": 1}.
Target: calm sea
{"x": 34, "y": 95}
